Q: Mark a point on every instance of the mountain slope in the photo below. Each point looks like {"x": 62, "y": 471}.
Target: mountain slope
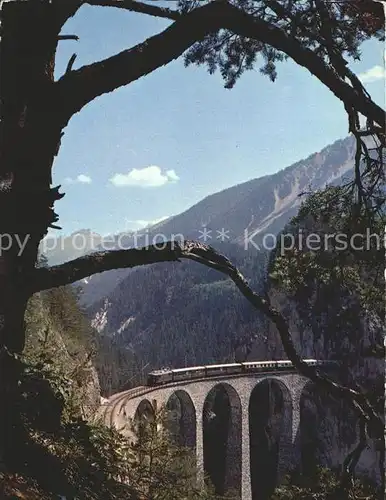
{"x": 260, "y": 205}
{"x": 182, "y": 313}
{"x": 246, "y": 212}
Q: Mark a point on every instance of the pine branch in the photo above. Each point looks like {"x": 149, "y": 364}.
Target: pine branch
{"x": 80, "y": 87}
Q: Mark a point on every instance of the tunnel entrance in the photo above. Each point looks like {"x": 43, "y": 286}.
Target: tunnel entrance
{"x": 269, "y": 426}
{"x": 222, "y": 439}
{"x": 181, "y": 419}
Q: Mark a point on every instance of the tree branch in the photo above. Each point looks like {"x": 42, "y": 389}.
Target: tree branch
{"x": 68, "y": 37}
{"x": 142, "y": 8}
{"x": 351, "y": 461}
{"x": 131, "y": 5}
{"x": 80, "y": 87}
{"x": 43, "y": 278}
{"x": 248, "y": 26}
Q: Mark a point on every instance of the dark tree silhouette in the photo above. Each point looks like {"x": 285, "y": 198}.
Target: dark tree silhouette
{"x": 35, "y": 109}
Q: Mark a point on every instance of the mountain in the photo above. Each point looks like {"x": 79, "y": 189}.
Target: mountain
{"x": 184, "y": 314}
{"x": 179, "y": 314}
{"x": 264, "y": 205}
{"x": 245, "y": 213}
{"x": 63, "y": 248}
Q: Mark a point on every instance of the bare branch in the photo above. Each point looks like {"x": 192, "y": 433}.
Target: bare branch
{"x": 68, "y": 37}
{"x": 70, "y": 63}
{"x": 43, "y": 278}
{"x": 75, "y": 270}
{"x": 80, "y": 87}
{"x": 143, "y": 8}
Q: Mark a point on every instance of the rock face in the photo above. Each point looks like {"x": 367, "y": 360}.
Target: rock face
{"x": 54, "y": 339}
{"x": 331, "y": 430}
{"x": 91, "y": 392}
{"x": 328, "y": 321}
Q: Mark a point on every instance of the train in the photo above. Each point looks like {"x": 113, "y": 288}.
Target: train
{"x": 168, "y": 375}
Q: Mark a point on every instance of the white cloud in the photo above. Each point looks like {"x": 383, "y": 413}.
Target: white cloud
{"x": 84, "y": 179}
{"x": 151, "y": 176}
{"x": 372, "y": 75}
{"x": 172, "y": 175}
{"x": 80, "y": 179}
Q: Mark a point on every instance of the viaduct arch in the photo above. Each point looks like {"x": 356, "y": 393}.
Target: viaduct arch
{"x": 226, "y": 406}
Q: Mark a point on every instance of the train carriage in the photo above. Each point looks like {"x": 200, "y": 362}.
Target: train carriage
{"x": 167, "y": 375}
{"x": 188, "y": 373}
{"x": 227, "y": 369}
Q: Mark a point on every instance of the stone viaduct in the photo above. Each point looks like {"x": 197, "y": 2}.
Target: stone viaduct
{"x": 193, "y": 403}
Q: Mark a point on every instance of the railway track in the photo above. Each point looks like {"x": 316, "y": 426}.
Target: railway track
{"x": 109, "y": 411}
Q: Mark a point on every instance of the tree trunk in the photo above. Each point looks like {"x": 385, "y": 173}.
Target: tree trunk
{"x": 29, "y": 137}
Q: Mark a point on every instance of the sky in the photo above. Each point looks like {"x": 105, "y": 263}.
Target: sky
{"x": 158, "y": 146}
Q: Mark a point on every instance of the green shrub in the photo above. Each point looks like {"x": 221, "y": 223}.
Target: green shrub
{"x": 325, "y": 485}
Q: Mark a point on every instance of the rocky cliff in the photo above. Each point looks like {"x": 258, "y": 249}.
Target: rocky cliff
{"x": 57, "y": 332}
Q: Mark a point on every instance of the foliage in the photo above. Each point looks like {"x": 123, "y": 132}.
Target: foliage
{"x": 53, "y": 398}
{"x": 332, "y": 245}
{"x": 339, "y": 288}
{"x": 15, "y": 486}
{"x": 336, "y": 280}
{"x": 325, "y": 485}
{"x": 313, "y": 23}
{"x": 64, "y": 310}
{"x": 60, "y": 344}
{"x": 44, "y": 393}
{"x": 86, "y": 459}
{"x": 159, "y": 469}
{"x": 91, "y": 461}
{"x": 83, "y": 458}
{"x": 56, "y": 312}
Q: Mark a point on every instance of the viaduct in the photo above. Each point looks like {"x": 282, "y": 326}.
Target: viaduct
{"x": 237, "y": 415}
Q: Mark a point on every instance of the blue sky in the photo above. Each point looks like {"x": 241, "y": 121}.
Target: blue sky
{"x": 161, "y": 144}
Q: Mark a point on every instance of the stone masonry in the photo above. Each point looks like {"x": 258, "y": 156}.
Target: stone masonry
{"x": 123, "y": 406}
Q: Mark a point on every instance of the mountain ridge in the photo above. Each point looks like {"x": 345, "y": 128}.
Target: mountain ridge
{"x": 180, "y": 314}
{"x": 215, "y": 214}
